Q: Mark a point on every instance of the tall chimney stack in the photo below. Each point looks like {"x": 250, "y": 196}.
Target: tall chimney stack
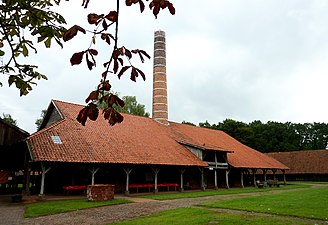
{"x": 160, "y": 108}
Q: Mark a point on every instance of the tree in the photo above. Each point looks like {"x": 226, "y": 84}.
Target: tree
{"x": 19, "y": 19}
{"x": 131, "y": 106}
{"x": 38, "y": 122}
{"x": 188, "y": 123}
{"x": 20, "y": 22}
{"x": 7, "y": 118}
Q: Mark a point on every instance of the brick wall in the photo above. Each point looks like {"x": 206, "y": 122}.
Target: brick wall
{"x": 100, "y": 192}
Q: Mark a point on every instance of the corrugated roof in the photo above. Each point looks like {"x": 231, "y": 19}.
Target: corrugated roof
{"x": 304, "y": 162}
{"x": 138, "y": 140}
{"x": 241, "y": 156}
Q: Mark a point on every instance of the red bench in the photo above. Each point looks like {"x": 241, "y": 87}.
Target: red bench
{"x": 70, "y": 188}
{"x": 149, "y": 186}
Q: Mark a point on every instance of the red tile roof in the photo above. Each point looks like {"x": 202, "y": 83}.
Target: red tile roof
{"x": 241, "y": 156}
{"x": 137, "y": 140}
{"x": 304, "y": 162}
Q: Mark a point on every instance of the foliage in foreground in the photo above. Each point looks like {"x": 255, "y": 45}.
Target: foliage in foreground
{"x": 309, "y": 203}
{"x": 52, "y": 207}
{"x": 193, "y": 216}
{"x": 220, "y": 192}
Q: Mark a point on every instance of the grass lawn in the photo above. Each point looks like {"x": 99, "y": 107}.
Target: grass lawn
{"x": 168, "y": 196}
{"x": 310, "y": 203}
{"x": 52, "y": 207}
{"x": 193, "y": 216}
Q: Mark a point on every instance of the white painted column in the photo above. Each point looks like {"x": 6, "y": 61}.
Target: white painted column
{"x": 43, "y": 176}
{"x": 181, "y": 179}
{"x": 274, "y": 174}
{"x": 156, "y": 171}
{"x": 242, "y": 179}
{"x": 227, "y": 178}
{"x": 284, "y": 173}
{"x": 254, "y": 176}
{"x": 264, "y": 174}
{"x": 202, "y": 182}
{"x": 215, "y": 179}
{"x": 127, "y": 172}
{"x": 93, "y": 171}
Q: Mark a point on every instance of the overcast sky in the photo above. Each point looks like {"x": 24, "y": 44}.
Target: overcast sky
{"x": 244, "y": 60}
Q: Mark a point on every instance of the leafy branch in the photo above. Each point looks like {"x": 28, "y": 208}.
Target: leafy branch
{"x": 35, "y": 18}
{"x": 116, "y": 64}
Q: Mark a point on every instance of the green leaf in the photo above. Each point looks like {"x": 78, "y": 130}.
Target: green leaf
{"x": 2, "y": 53}
{"x": 25, "y": 50}
{"x": 48, "y": 42}
{"x": 41, "y": 38}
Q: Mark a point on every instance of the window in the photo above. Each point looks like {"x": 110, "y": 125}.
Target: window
{"x": 56, "y": 140}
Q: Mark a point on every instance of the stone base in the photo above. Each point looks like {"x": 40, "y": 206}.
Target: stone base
{"x": 100, "y": 192}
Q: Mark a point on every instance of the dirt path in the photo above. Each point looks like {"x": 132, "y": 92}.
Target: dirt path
{"x": 12, "y": 214}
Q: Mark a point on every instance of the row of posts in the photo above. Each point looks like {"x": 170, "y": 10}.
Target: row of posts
{"x": 128, "y": 170}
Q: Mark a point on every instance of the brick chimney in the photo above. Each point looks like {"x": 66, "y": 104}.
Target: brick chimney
{"x": 160, "y": 107}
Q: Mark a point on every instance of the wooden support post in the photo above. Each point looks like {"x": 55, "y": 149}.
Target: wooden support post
{"x": 274, "y": 174}
{"x": 43, "y": 176}
{"x": 284, "y": 174}
{"x": 202, "y": 182}
{"x": 26, "y": 180}
{"x": 127, "y": 171}
{"x": 215, "y": 172}
{"x": 254, "y": 177}
{"x": 182, "y": 170}
{"x": 264, "y": 174}
{"x": 93, "y": 171}
{"x": 156, "y": 171}
{"x": 227, "y": 178}
{"x": 242, "y": 178}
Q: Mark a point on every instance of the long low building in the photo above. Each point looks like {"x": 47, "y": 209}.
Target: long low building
{"x": 139, "y": 151}
{"x": 306, "y": 165}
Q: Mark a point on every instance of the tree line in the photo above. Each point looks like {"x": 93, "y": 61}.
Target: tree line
{"x": 274, "y": 136}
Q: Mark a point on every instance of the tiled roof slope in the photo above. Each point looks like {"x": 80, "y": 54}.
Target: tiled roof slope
{"x": 241, "y": 156}
{"x": 304, "y": 162}
{"x": 138, "y": 140}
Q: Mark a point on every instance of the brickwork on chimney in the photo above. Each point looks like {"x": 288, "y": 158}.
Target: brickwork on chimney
{"x": 160, "y": 106}
{"x": 100, "y": 192}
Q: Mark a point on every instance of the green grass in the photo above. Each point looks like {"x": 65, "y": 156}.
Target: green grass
{"x": 310, "y": 203}
{"x": 169, "y": 196}
{"x": 193, "y": 216}
{"x": 52, "y": 207}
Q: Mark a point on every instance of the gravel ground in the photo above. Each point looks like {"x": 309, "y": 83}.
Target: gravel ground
{"x": 12, "y": 213}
